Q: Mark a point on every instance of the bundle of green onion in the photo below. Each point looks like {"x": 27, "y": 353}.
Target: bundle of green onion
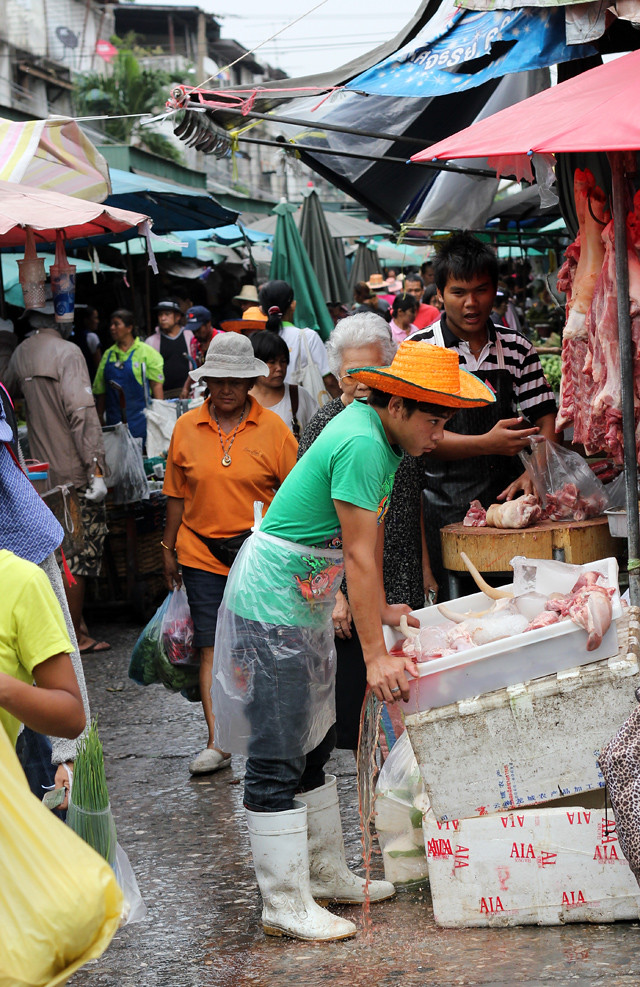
{"x": 89, "y": 814}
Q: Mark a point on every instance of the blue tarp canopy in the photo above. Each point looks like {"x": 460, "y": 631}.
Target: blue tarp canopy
{"x": 460, "y": 49}
{"x": 171, "y": 207}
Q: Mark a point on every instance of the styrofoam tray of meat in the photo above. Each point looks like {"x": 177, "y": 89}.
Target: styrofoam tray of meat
{"x": 520, "y": 657}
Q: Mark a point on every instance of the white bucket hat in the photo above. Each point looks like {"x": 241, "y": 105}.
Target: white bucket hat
{"x": 230, "y": 355}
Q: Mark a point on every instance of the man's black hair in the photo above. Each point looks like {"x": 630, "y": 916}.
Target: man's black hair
{"x": 269, "y": 346}
{"x": 414, "y": 277}
{"x": 380, "y": 399}
{"x": 464, "y": 257}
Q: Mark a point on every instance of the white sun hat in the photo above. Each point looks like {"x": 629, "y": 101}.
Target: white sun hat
{"x": 230, "y": 355}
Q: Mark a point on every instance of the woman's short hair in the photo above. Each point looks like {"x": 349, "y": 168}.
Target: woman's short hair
{"x": 125, "y": 316}
{"x": 269, "y": 346}
{"x": 361, "y": 329}
{"x": 404, "y": 303}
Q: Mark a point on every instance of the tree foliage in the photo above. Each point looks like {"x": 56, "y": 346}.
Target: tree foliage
{"x": 129, "y": 89}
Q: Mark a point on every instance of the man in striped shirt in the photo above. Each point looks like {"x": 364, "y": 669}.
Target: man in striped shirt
{"x": 478, "y": 457}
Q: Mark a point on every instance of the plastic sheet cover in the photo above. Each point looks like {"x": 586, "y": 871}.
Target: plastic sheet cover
{"x": 274, "y": 658}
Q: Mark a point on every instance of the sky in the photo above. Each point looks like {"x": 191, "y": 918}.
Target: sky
{"x": 333, "y": 34}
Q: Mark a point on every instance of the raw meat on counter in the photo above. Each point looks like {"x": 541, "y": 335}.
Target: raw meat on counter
{"x": 476, "y": 516}
{"x": 518, "y": 513}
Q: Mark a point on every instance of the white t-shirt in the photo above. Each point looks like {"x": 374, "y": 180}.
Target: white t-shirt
{"x": 298, "y": 351}
{"x": 93, "y": 342}
{"x": 307, "y": 407}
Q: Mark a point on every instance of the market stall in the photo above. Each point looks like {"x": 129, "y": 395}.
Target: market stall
{"x": 29, "y": 216}
{"x": 587, "y": 113}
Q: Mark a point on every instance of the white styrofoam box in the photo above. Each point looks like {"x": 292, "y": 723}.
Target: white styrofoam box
{"x": 524, "y": 745}
{"x": 510, "y": 660}
{"x": 529, "y": 867}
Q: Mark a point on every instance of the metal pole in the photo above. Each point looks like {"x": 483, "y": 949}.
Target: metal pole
{"x": 626, "y": 373}
{"x": 386, "y": 159}
{"x": 334, "y": 128}
{"x": 2, "y": 301}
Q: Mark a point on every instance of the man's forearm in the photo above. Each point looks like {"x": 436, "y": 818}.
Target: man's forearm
{"x": 455, "y": 446}
{"x": 364, "y": 599}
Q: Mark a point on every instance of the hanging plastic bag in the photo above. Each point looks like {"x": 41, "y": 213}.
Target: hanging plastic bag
{"x": 134, "y": 908}
{"x": 401, "y": 803}
{"x": 150, "y": 662}
{"x": 161, "y": 419}
{"x": 177, "y": 630}
{"x": 60, "y": 903}
{"x": 125, "y": 466}
{"x": 567, "y": 488}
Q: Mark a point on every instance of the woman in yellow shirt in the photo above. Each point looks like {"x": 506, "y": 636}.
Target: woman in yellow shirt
{"x": 35, "y": 647}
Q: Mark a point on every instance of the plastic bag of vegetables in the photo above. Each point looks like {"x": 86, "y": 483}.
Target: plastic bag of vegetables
{"x": 400, "y": 805}
{"x": 150, "y": 661}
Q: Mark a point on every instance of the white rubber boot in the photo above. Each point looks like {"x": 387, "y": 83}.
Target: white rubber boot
{"x": 281, "y": 861}
{"x": 331, "y": 879}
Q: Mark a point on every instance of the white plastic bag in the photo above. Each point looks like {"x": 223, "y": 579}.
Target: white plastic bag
{"x": 125, "y": 465}
{"x": 161, "y": 419}
{"x": 568, "y": 489}
{"x": 401, "y": 803}
{"x": 178, "y": 631}
{"x": 134, "y": 908}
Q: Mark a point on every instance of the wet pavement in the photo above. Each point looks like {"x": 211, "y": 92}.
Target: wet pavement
{"x": 187, "y": 842}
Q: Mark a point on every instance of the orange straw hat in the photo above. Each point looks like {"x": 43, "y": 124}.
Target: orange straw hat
{"x": 427, "y": 373}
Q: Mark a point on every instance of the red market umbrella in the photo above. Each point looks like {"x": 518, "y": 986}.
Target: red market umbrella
{"x": 47, "y": 212}
{"x": 594, "y": 111}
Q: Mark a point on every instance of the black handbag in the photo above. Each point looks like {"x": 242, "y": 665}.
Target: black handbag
{"x": 224, "y": 549}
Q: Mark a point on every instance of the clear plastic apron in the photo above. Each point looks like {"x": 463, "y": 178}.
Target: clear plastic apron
{"x": 274, "y": 659}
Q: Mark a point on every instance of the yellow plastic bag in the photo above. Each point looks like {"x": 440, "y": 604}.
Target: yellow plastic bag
{"x": 60, "y": 903}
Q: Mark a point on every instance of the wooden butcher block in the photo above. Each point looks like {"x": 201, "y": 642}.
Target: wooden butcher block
{"x": 491, "y": 549}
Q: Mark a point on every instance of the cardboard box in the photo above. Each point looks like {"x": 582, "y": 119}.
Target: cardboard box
{"x": 524, "y": 745}
{"x": 529, "y": 867}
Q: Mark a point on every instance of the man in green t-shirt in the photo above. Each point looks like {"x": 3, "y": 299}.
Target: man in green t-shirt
{"x": 274, "y": 663}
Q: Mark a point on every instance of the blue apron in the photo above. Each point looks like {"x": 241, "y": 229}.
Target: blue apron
{"x": 121, "y": 372}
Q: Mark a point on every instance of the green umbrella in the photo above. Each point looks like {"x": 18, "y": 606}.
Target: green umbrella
{"x": 290, "y": 262}
{"x": 324, "y": 251}
{"x": 365, "y": 263}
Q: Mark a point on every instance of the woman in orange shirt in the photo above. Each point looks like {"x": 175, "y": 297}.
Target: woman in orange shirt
{"x": 223, "y": 456}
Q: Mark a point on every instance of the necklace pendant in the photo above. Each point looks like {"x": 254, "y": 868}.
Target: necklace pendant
{"x": 226, "y": 459}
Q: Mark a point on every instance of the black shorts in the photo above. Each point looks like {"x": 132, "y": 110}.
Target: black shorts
{"x": 204, "y": 592}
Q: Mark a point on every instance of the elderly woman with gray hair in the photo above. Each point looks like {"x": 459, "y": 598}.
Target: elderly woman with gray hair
{"x": 364, "y": 340}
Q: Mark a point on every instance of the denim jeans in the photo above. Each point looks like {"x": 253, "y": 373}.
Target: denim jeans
{"x": 271, "y": 785}
{"x": 34, "y": 753}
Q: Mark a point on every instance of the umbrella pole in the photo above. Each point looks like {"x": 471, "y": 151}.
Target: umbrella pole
{"x": 626, "y": 374}
{"x": 2, "y": 301}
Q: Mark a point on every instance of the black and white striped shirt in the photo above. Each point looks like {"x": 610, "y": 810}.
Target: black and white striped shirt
{"x": 532, "y": 394}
